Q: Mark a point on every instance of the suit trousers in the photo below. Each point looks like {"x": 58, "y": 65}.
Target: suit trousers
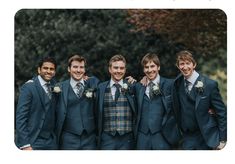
{"x": 117, "y": 142}
{"x": 45, "y": 143}
{"x": 151, "y": 141}
{"x": 71, "y": 141}
{"x": 194, "y": 141}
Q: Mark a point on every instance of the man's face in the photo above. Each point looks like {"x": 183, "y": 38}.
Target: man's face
{"x": 186, "y": 67}
{"x": 117, "y": 70}
{"x": 47, "y": 71}
{"x": 77, "y": 70}
{"x": 151, "y": 70}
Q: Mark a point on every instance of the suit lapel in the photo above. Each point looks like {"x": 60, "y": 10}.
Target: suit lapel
{"x": 167, "y": 110}
{"x": 101, "y": 96}
{"x": 66, "y": 92}
{"x": 40, "y": 91}
{"x": 198, "y": 95}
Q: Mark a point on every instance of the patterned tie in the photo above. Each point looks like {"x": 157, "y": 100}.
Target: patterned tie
{"x": 48, "y": 90}
{"x": 151, "y": 84}
{"x": 117, "y": 93}
{"x": 187, "y": 83}
{"x": 79, "y": 89}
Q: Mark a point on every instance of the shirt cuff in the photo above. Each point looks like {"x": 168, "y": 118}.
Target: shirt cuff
{"x": 22, "y": 147}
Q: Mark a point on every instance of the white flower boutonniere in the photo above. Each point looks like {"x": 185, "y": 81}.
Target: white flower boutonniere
{"x": 56, "y": 89}
{"x": 199, "y": 86}
{"x": 156, "y": 90}
{"x": 124, "y": 88}
{"x": 89, "y": 93}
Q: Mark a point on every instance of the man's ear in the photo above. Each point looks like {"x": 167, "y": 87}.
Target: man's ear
{"x": 69, "y": 69}
{"x": 39, "y": 70}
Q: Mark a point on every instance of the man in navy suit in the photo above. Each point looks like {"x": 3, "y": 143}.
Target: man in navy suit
{"x": 35, "y": 114}
{"x": 156, "y": 127}
{"x": 116, "y": 109}
{"x": 200, "y": 110}
{"x": 76, "y": 111}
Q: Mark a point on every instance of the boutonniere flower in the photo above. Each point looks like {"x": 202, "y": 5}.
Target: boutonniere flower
{"x": 156, "y": 89}
{"x": 56, "y": 89}
{"x": 89, "y": 93}
{"x": 199, "y": 86}
{"x": 124, "y": 88}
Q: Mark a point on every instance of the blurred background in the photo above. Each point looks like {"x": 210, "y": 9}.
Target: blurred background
{"x": 98, "y": 34}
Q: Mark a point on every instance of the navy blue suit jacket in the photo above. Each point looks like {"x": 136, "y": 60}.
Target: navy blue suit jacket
{"x": 213, "y": 125}
{"x": 31, "y": 112}
{"x": 100, "y": 105}
{"x": 169, "y": 126}
{"x": 89, "y": 104}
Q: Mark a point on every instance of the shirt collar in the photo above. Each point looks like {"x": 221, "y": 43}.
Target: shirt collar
{"x": 73, "y": 82}
{"x": 156, "y": 80}
{"x": 42, "y": 81}
{"x": 112, "y": 82}
{"x": 193, "y": 77}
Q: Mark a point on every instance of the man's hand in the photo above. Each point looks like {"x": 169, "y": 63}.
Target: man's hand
{"x": 221, "y": 145}
{"x": 130, "y": 79}
{"x": 144, "y": 81}
{"x": 27, "y": 148}
{"x": 85, "y": 77}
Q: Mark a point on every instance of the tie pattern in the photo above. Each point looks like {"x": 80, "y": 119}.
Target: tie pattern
{"x": 187, "y": 83}
{"x": 117, "y": 93}
{"x": 48, "y": 90}
{"x": 79, "y": 89}
{"x": 151, "y": 84}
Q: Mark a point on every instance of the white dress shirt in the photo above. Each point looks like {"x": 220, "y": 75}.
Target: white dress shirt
{"x": 113, "y": 88}
{"x": 192, "y": 79}
{"x": 156, "y": 81}
{"x": 74, "y": 83}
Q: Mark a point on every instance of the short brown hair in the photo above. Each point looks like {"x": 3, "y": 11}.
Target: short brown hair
{"x": 117, "y": 58}
{"x": 185, "y": 55}
{"x": 76, "y": 58}
{"x": 150, "y": 57}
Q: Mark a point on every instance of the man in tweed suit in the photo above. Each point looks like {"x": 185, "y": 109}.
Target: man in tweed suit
{"x": 116, "y": 109}
{"x": 156, "y": 127}
{"x": 199, "y": 108}
{"x": 35, "y": 114}
{"x": 76, "y": 106}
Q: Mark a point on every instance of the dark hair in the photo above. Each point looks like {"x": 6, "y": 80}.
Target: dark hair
{"x": 47, "y": 59}
{"x": 76, "y": 58}
{"x": 116, "y": 58}
{"x": 150, "y": 57}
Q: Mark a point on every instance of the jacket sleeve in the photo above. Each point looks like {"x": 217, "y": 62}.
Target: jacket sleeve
{"x": 220, "y": 110}
{"x": 22, "y": 116}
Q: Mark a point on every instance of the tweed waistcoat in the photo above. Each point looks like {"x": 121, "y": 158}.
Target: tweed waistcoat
{"x": 117, "y": 115}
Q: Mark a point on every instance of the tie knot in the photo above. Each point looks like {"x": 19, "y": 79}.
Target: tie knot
{"x": 79, "y": 84}
{"x": 151, "y": 84}
{"x": 187, "y": 83}
{"x": 117, "y": 85}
